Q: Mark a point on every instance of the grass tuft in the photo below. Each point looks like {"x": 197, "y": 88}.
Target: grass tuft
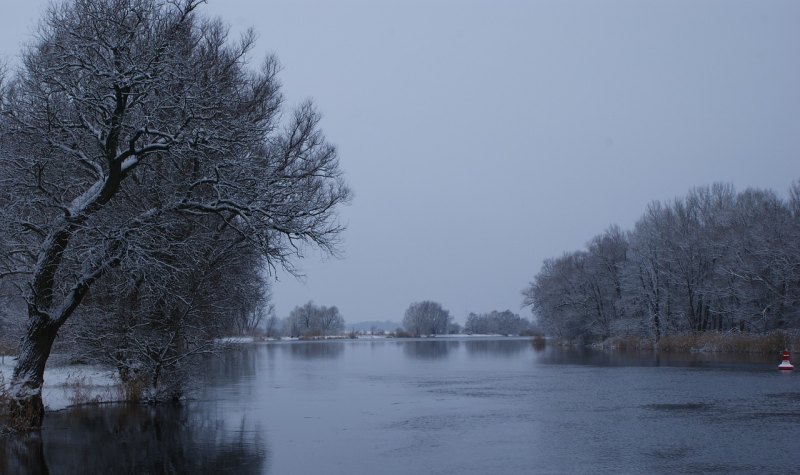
{"x": 132, "y": 388}
{"x": 14, "y": 417}
{"x": 79, "y": 391}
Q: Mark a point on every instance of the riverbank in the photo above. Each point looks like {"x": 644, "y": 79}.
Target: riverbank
{"x": 67, "y": 385}
{"x": 710, "y": 341}
{"x": 71, "y": 385}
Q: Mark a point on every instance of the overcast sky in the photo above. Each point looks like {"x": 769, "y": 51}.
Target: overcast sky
{"x": 481, "y": 137}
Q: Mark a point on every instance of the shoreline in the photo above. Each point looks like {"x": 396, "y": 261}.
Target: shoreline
{"x": 71, "y": 385}
{"x": 75, "y": 385}
{"x": 708, "y": 342}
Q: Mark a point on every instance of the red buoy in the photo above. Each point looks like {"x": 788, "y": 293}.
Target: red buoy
{"x": 786, "y": 364}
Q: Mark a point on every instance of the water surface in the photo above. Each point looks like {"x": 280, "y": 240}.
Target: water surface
{"x": 446, "y": 406}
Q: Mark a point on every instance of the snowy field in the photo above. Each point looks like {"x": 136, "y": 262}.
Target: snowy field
{"x": 69, "y": 385}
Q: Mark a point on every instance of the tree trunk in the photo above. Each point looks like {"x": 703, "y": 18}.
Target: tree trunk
{"x": 657, "y": 323}
{"x": 27, "y": 409}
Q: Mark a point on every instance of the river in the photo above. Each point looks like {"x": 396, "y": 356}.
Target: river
{"x": 439, "y": 406}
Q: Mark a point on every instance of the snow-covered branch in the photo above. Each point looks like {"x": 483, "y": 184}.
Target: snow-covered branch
{"x": 137, "y": 146}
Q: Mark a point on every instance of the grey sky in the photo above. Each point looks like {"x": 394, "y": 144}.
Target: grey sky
{"x": 481, "y": 137}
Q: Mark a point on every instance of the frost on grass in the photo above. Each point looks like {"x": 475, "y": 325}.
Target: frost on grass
{"x": 66, "y": 386}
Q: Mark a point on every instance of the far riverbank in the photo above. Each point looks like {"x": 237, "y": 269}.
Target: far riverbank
{"x": 710, "y": 342}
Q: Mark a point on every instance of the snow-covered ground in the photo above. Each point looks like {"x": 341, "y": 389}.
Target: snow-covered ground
{"x": 69, "y": 385}
{"x": 235, "y": 339}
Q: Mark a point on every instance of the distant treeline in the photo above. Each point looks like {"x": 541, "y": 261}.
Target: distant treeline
{"x": 497, "y": 323}
{"x": 714, "y": 259}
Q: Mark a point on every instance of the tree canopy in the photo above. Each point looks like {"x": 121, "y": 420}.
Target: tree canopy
{"x": 427, "y": 318}
{"x": 714, "y": 259}
{"x": 312, "y": 320}
{"x": 136, "y": 137}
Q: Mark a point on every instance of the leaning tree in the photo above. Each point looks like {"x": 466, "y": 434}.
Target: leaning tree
{"x": 128, "y": 121}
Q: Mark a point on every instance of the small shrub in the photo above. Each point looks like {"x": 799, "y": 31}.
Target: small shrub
{"x": 793, "y": 341}
{"x": 632, "y": 343}
{"x": 677, "y": 342}
{"x": 132, "y": 388}
{"x": 5, "y": 402}
{"x": 13, "y": 417}
{"x": 311, "y": 334}
{"x": 8, "y": 348}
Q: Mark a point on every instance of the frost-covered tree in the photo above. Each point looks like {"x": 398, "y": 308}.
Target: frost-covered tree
{"x": 556, "y": 298}
{"x": 759, "y": 272}
{"x": 128, "y": 122}
{"x": 498, "y": 323}
{"x": 714, "y": 259}
{"x": 427, "y": 318}
{"x": 310, "y": 320}
{"x": 250, "y": 296}
{"x": 645, "y": 294}
{"x": 272, "y": 326}
{"x": 152, "y": 326}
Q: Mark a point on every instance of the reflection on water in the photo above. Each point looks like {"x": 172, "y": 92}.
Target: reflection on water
{"x": 231, "y": 365}
{"x": 136, "y": 439}
{"x": 429, "y": 349}
{"x": 504, "y": 348}
{"x": 433, "y": 348}
{"x": 720, "y": 361}
{"x": 22, "y": 454}
{"x": 539, "y": 344}
{"x": 312, "y": 350}
{"x": 463, "y": 406}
